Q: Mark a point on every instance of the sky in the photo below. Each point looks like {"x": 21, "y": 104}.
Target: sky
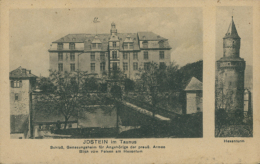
{"x": 33, "y": 30}
{"x": 243, "y": 19}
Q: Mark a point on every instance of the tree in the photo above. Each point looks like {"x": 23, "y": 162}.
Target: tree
{"x": 62, "y": 94}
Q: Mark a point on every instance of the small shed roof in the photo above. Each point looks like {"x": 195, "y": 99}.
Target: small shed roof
{"x": 194, "y": 85}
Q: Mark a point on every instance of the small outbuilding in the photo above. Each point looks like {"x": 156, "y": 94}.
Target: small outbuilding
{"x": 194, "y": 96}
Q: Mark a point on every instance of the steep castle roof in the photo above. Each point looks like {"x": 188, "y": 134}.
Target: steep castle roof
{"x": 232, "y": 31}
{"x": 194, "y": 85}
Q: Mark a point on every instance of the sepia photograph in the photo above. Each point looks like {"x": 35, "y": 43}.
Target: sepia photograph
{"x": 234, "y": 72}
{"x": 106, "y": 73}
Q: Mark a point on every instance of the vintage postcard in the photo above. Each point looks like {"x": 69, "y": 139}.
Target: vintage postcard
{"x": 130, "y": 82}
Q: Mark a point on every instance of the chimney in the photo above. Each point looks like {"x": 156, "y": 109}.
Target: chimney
{"x": 29, "y": 71}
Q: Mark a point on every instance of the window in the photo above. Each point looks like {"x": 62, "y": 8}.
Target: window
{"x": 99, "y": 45}
{"x": 114, "y": 54}
{"x": 93, "y": 45}
{"x": 92, "y": 66}
{"x": 145, "y": 44}
{"x": 114, "y": 44}
{"x": 60, "y": 56}
{"x": 135, "y": 66}
{"x": 102, "y": 66}
{"x": 161, "y": 44}
{"x": 92, "y": 56}
{"x": 146, "y": 66}
{"x": 16, "y": 97}
{"x": 114, "y": 66}
{"x": 60, "y": 66}
{"x": 72, "y": 46}
{"x": 125, "y": 66}
{"x": 60, "y": 46}
{"x": 135, "y": 56}
{"x": 146, "y": 55}
{"x": 102, "y": 56}
{"x": 162, "y": 65}
{"x": 72, "y": 56}
{"x": 161, "y": 54}
{"x": 125, "y": 55}
{"x": 72, "y": 67}
{"x": 16, "y": 84}
{"x": 131, "y": 45}
{"x": 125, "y": 46}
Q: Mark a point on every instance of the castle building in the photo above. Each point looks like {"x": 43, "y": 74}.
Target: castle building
{"x": 103, "y": 53}
{"x": 22, "y": 83}
{"x": 230, "y": 73}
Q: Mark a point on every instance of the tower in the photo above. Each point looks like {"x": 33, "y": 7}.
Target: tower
{"x": 113, "y": 30}
{"x": 230, "y": 73}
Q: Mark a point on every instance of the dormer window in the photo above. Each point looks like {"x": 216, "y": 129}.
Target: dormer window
{"x": 60, "y": 46}
{"x": 145, "y": 44}
{"x": 72, "y": 46}
{"x": 128, "y": 45}
{"x": 94, "y": 45}
{"x": 161, "y": 44}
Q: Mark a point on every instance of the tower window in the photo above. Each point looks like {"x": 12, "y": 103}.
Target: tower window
{"x": 114, "y": 66}
{"x": 114, "y": 54}
{"x": 114, "y": 44}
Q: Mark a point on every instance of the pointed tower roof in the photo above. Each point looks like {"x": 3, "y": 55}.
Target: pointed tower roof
{"x": 232, "y": 31}
{"x": 194, "y": 85}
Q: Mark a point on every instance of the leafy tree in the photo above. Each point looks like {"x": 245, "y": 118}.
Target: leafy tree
{"x": 62, "y": 94}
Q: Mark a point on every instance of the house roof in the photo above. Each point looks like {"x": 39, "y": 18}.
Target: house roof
{"x": 77, "y": 38}
{"x": 232, "y": 31}
{"x": 87, "y": 39}
{"x": 21, "y": 73}
{"x": 149, "y": 36}
{"x": 194, "y": 85}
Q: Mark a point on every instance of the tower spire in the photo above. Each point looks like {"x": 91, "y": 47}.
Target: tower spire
{"x": 232, "y": 31}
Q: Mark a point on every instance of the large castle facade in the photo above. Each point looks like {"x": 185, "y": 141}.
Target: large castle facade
{"x": 102, "y": 53}
{"x": 230, "y": 73}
